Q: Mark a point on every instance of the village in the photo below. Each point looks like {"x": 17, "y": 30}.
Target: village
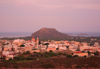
{"x": 10, "y": 49}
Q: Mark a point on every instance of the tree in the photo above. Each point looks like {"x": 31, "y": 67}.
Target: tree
{"x": 20, "y": 57}
{"x": 85, "y": 56}
{"x": 89, "y": 53}
{"x": 59, "y": 53}
{"x": 39, "y": 42}
{"x": 46, "y": 44}
{"x": 27, "y": 52}
{"x": 83, "y": 51}
{"x": 50, "y": 51}
{"x": 78, "y": 49}
{"x": 96, "y": 53}
{"x": 75, "y": 56}
{"x": 69, "y": 56}
{"x": 10, "y": 59}
{"x": 67, "y": 47}
{"x": 22, "y": 45}
{"x": 30, "y": 58}
{"x": 57, "y": 48}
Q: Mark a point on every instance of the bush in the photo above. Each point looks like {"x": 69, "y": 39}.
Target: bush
{"x": 75, "y": 56}
{"x": 52, "y": 54}
{"x": 57, "y": 48}
{"x": 22, "y": 45}
{"x": 96, "y": 53}
{"x": 83, "y": 51}
{"x": 27, "y": 52}
{"x": 49, "y": 54}
{"x": 34, "y": 58}
{"x": 30, "y": 58}
{"x": 19, "y": 58}
{"x": 47, "y": 65}
{"x": 50, "y": 51}
{"x": 34, "y": 52}
{"x": 85, "y": 56}
{"x": 46, "y": 44}
{"x": 46, "y": 55}
{"x": 60, "y": 53}
{"x": 64, "y": 54}
{"x": 10, "y": 59}
{"x": 69, "y": 56}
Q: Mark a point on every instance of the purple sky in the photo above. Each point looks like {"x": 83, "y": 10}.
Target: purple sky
{"x": 64, "y": 15}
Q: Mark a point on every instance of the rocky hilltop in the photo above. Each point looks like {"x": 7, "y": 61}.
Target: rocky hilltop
{"x": 49, "y": 33}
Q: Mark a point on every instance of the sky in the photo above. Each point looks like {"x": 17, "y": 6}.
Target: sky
{"x": 63, "y": 15}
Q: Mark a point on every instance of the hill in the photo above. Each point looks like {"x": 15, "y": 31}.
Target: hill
{"x": 54, "y": 63}
{"x": 49, "y": 33}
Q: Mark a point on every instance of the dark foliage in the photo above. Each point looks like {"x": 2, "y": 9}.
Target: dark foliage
{"x": 27, "y": 52}
{"x": 22, "y": 45}
{"x": 75, "y": 56}
{"x": 69, "y": 56}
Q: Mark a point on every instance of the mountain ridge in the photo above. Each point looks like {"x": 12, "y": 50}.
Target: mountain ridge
{"x": 49, "y": 33}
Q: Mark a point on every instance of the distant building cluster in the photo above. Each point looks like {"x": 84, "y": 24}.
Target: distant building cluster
{"x": 12, "y": 48}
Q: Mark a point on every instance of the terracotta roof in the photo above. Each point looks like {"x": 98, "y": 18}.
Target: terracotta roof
{"x": 94, "y": 46}
{"x": 31, "y": 45}
{"x": 88, "y": 49}
{"x": 33, "y": 38}
{"x": 12, "y": 54}
{"x": 78, "y": 52}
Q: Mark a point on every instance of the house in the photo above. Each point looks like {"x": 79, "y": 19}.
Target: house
{"x": 62, "y": 48}
{"x": 80, "y": 54}
{"x": 8, "y": 54}
{"x": 53, "y": 45}
{"x": 53, "y": 49}
{"x": 84, "y": 47}
{"x": 86, "y": 50}
{"x": 0, "y": 48}
{"x": 19, "y": 41}
{"x": 34, "y": 51}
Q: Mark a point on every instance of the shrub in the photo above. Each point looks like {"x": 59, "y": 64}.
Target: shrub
{"x": 64, "y": 54}
{"x": 85, "y": 56}
{"x": 34, "y": 58}
{"x": 34, "y": 52}
{"x": 60, "y": 53}
{"x": 22, "y": 45}
{"x": 46, "y": 44}
{"x": 30, "y": 58}
{"x": 89, "y": 53}
{"x": 52, "y": 54}
{"x": 57, "y": 48}
{"x": 19, "y": 57}
{"x": 46, "y": 55}
{"x": 27, "y": 52}
{"x": 75, "y": 56}
{"x": 69, "y": 56}
{"x": 96, "y": 53}
{"x": 10, "y": 59}
{"x": 50, "y": 51}
{"x": 83, "y": 51}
